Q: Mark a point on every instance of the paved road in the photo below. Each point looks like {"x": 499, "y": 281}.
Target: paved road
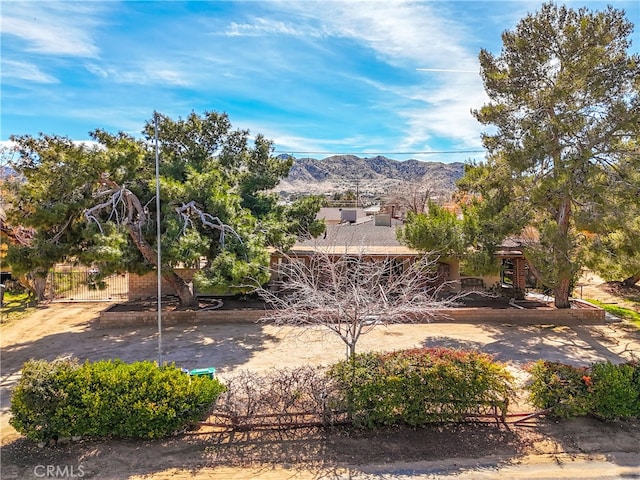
{"x": 542, "y": 467}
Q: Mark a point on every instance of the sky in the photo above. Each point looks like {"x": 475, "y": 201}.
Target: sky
{"x": 393, "y": 78}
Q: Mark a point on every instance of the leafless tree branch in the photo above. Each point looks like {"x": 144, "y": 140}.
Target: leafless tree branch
{"x": 123, "y": 206}
{"x": 352, "y": 294}
{"x": 206, "y": 219}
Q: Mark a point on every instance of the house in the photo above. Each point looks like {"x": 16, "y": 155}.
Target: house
{"x": 371, "y": 237}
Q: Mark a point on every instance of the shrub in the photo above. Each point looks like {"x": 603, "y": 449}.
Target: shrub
{"x": 605, "y": 390}
{"x": 107, "y": 398}
{"x": 562, "y": 388}
{"x": 616, "y": 390}
{"x": 420, "y": 386}
{"x": 39, "y": 394}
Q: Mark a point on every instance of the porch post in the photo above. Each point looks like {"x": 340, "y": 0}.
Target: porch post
{"x": 519, "y": 273}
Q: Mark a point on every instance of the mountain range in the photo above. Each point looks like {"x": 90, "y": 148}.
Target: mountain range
{"x": 372, "y": 176}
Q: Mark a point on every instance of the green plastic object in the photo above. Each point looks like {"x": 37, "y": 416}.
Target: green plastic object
{"x": 203, "y": 372}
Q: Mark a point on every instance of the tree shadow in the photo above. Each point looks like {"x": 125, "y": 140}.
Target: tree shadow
{"x": 15, "y": 309}
{"x": 333, "y": 454}
{"x": 618, "y": 442}
{"x": 576, "y": 345}
{"x": 333, "y": 451}
{"x": 630, "y": 294}
{"x": 325, "y": 453}
{"x": 579, "y": 346}
{"x": 193, "y": 346}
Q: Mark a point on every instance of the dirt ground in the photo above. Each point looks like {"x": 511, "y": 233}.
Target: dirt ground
{"x": 584, "y": 448}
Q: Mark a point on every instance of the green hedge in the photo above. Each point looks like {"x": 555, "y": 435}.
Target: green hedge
{"x": 421, "y": 386}
{"x": 604, "y": 390}
{"x": 108, "y": 398}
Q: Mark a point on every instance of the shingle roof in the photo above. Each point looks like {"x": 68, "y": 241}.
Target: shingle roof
{"x": 358, "y": 238}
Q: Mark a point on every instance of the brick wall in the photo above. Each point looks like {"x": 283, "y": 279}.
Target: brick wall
{"x": 580, "y": 316}
{"x": 141, "y": 286}
{"x": 123, "y": 319}
{"x": 522, "y": 317}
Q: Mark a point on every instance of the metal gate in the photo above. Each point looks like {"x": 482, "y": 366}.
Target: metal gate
{"x": 77, "y": 284}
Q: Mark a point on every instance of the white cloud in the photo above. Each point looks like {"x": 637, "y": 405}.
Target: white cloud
{"x": 445, "y": 70}
{"x": 446, "y": 113}
{"x": 53, "y": 28}
{"x": 402, "y": 33}
{"x": 358, "y": 76}
{"x": 284, "y": 142}
{"x": 147, "y": 73}
{"x": 24, "y": 71}
{"x": 266, "y": 26}
{"x": 97, "y": 70}
{"x": 153, "y": 73}
{"x": 411, "y": 36}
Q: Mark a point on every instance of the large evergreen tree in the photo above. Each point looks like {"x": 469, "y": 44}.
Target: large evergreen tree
{"x": 564, "y": 102}
{"x": 50, "y": 186}
{"x": 214, "y": 202}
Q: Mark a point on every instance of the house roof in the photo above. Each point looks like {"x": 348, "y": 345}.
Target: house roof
{"x": 335, "y": 214}
{"x": 513, "y": 246}
{"x": 363, "y": 237}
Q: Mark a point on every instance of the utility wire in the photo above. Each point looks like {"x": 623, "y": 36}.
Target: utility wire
{"x": 439, "y": 152}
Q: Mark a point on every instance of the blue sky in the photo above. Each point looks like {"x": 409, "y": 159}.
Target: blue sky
{"x": 385, "y": 77}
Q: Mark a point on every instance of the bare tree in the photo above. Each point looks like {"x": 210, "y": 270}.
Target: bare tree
{"x": 351, "y": 294}
{"x": 416, "y": 196}
{"x": 280, "y": 398}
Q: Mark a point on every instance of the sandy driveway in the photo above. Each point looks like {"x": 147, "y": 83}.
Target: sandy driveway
{"x": 69, "y": 329}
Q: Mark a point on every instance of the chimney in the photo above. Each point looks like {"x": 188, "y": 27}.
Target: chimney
{"x": 382, "y": 220}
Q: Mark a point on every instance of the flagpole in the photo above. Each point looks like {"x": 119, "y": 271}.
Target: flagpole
{"x": 159, "y": 267}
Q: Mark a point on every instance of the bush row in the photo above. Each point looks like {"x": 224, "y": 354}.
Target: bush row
{"x": 421, "y": 386}
{"x": 604, "y": 390}
{"x": 430, "y": 385}
{"x": 111, "y": 398}
{"x": 108, "y": 398}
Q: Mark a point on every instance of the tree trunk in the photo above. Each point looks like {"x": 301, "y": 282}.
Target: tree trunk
{"x": 562, "y": 256}
{"x": 632, "y": 280}
{"x": 40, "y": 287}
{"x": 186, "y": 296}
{"x": 351, "y": 351}
{"x": 561, "y": 293}
{"x": 536, "y": 273}
{"x": 37, "y": 286}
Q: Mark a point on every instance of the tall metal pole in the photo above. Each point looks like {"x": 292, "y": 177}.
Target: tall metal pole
{"x": 159, "y": 267}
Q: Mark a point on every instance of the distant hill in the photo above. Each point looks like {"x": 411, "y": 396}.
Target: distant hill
{"x": 374, "y": 175}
